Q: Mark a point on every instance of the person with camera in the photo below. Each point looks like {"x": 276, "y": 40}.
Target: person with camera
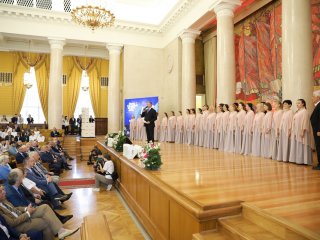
{"x": 104, "y": 173}
{"x": 94, "y": 154}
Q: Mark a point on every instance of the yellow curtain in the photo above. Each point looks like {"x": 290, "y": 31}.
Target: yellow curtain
{"x": 19, "y": 90}
{"x": 42, "y": 77}
{"x": 73, "y": 85}
{"x": 95, "y": 87}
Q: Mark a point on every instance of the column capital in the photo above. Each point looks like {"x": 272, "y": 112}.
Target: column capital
{"x": 225, "y": 7}
{"x": 57, "y": 43}
{"x": 189, "y": 35}
{"x": 114, "y": 48}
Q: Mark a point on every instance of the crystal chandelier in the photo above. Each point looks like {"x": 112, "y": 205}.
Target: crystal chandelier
{"x": 27, "y": 75}
{"x": 92, "y": 16}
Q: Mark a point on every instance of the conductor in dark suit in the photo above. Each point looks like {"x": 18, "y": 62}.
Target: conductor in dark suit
{"x": 150, "y": 116}
{"x": 315, "y": 122}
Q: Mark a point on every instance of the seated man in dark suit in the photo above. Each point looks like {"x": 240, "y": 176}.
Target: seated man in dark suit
{"x": 60, "y": 154}
{"x": 9, "y": 137}
{"x": 43, "y": 183}
{"x": 30, "y": 119}
{"x": 9, "y": 233}
{"x": 16, "y": 194}
{"x": 22, "y": 154}
{"x": 14, "y": 119}
{"x": 55, "y": 133}
{"x": 53, "y": 162}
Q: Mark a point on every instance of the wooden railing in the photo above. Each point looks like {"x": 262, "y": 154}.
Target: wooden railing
{"x": 95, "y": 227}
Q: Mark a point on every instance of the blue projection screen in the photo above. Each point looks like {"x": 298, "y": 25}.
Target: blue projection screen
{"x": 135, "y": 106}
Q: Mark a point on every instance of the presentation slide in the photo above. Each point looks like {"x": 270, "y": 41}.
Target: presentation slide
{"x": 135, "y": 106}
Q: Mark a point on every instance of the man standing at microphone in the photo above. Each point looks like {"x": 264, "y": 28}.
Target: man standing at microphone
{"x": 150, "y": 115}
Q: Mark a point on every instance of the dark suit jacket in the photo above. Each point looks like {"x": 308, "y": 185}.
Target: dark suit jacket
{"x": 55, "y": 134}
{"x": 30, "y": 120}
{"x": 150, "y": 116}
{"x": 13, "y": 233}
{"x": 15, "y": 198}
{"x": 20, "y": 157}
{"x": 9, "y": 138}
{"x": 315, "y": 118}
{"x": 14, "y": 120}
{"x": 72, "y": 121}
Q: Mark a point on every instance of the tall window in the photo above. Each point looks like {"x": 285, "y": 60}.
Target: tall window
{"x": 84, "y": 100}
{"x": 32, "y": 104}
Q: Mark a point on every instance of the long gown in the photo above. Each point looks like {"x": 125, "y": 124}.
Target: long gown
{"x": 257, "y": 134}
{"x": 266, "y": 150}
{"x": 203, "y": 125}
{"x": 179, "y": 130}
{"x": 275, "y": 131}
{"x": 171, "y": 128}
{"x": 138, "y": 129}
{"x": 247, "y": 133}
{"x": 191, "y": 128}
{"x": 229, "y": 144}
{"x": 157, "y": 129}
{"x": 132, "y": 128}
{"x": 225, "y": 118}
{"x": 209, "y": 133}
{"x": 284, "y": 138}
{"x": 197, "y": 129}
{"x": 301, "y": 147}
{"x": 217, "y": 130}
{"x": 185, "y": 128}
{"x": 239, "y": 130}
{"x": 163, "y": 129}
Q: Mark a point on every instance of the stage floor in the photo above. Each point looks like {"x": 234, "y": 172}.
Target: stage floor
{"x": 211, "y": 177}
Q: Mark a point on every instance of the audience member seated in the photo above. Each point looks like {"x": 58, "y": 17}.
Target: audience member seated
{"x": 41, "y": 169}
{"x": 9, "y": 137}
{"x": 46, "y": 184}
{"x": 104, "y": 174}
{"x": 4, "y": 146}
{"x": 4, "y": 119}
{"x": 16, "y": 194}
{"x": 28, "y": 218}
{"x": 9, "y": 233}
{"x": 61, "y": 149}
{"x": 47, "y": 157}
{"x": 55, "y": 151}
{"x": 34, "y": 147}
{"x": 12, "y": 150}
{"x": 30, "y": 119}
{"x": 94, "y": 154}
{"x": 17, "y": 128}
{"x": 55, "y": 133}
{"x": 14, "y": 119}
{"x": 22, "y": 154}
{"x": 4, "y": 167}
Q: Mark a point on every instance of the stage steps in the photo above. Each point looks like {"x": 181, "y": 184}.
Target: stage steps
{"x": 72, "y": 145}
{"x": 256, "y": 224}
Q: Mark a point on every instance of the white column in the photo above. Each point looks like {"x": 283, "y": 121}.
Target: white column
{"x": 226, "y": 67}
{"x": 114, "y": 88}
{"x": 188, "y": 85}
{"x": 55, "y": 84}
{"x": 296, "y": 51}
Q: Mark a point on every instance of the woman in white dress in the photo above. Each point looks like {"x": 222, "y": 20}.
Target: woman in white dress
{"x": 132, "y": 127}
{"x": 209, "y": 128}
{"x": 203, "y": 124}
{"x": 171, "y": 127}
{"x": 240, "y": 126}
{"x": 302, "y": 141}
{"x": 285, "y": 132}
{"x": 191, "y": 126}
{"x": 266, "y": 150}
{"x": 229, "y": 144}
{"x": 157, "y": 128}
{"x": 197, "y": 127}
{"x": 225, "y": 118}
{"x": 179, "y": 129}
{"x": 275, "y": 128}
{"x": 246, "y": 147}
{"x": 186, "y": 126}
{"x": 218, "y": 126}
{"x": 138, "y": 128}
{"x": 164, "y": 128}
{"x": 257, "y": 130}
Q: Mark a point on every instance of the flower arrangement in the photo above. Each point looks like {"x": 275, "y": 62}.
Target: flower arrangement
{"x": 150, "y": 156}
{"x": 116, "y": 140}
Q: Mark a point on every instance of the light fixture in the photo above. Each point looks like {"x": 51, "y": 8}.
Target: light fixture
{"x": 92, "y": 16}
{"x": 27, "y": 75}
{"x": 85, "y": 81}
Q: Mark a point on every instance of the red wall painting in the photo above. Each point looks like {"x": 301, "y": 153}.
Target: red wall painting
{"x": 258, "y": 53}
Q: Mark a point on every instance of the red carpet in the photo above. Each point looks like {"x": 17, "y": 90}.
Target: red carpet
{"x": 77, "y": 183}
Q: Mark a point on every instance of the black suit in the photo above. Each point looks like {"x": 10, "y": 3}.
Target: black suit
{"x": 149, "y": 116}
{"x": 72, "y": 123}
{"x": 315, "y": 122}
{"x": 14, "y": 120}
{"x": 30, "y": 120}
{"x": 20, "y": 157}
